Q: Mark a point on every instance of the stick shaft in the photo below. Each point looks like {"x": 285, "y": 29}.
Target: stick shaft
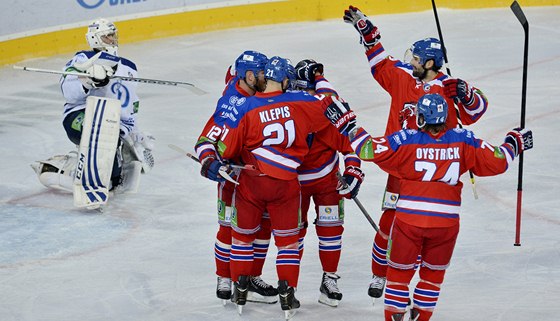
{"x": 518, "y": 12}
{"x": 444, "y": 50}
{"x": 123, "y": 78}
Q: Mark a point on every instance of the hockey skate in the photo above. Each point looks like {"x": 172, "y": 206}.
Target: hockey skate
{"x": 240, "y": 289}
{"x": 223, "y": 289}
{"x": 261, "y": 292}
{"x": 288, "y": 301}
{"x": 376, "y": 286}
{"x": 397, "y": 317}
{"x": 330, "y": 295}
{"x": 414, "y": 315}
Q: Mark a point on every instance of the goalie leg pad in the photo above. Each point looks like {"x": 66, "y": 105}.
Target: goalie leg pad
{"x": 96, "y": 154}
{"x": 58, "y": 171}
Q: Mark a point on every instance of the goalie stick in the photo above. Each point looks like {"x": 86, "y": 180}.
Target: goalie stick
{"x": 362, "y": 208}
{"x": 518, "y": 12}
{"x": 471, "y": 175}
{"x": 187, "y": 85}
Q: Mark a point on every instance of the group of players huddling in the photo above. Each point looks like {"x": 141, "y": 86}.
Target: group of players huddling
{"x": 292, "y": 129}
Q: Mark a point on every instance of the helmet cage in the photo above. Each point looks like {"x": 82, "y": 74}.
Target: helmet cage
{"x": 103, "y": 35}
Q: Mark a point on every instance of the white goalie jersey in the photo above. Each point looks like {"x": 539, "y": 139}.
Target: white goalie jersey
{"x": 125, "y": 91}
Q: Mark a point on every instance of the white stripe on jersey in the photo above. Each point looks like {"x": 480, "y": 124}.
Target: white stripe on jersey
{"x": 322, "y": 173}
{"x": 428, "y": 206}
{"x": 276, "y": 158}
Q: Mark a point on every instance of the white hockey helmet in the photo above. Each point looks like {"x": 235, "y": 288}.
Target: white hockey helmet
{"x": 102, "y": 35}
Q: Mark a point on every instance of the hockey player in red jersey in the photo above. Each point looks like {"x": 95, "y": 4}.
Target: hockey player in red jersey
{"x": 249, "y": 67}
{"x": 318, "y": 178}
{"x": 428, "y": 163}
{"x": 271, "y": 133}
{"x": 406, "y": 82}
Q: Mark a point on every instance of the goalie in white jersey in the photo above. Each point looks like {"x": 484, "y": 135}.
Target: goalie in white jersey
{"x": 119, "y": 151}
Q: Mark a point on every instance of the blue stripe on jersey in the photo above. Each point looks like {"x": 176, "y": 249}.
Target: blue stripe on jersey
{"x": 428, "y": 199}
{"x": 424, "y": 213}
{"x": 128, "y": 63}
{"x": 403, "y": 65}
{"x": 320, "y": 168}
{"x": 275, "y": 164}
{"x": 409, "y": 137}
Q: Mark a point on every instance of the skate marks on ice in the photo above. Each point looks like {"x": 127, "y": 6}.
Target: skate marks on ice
{"x": 44, "y": 226}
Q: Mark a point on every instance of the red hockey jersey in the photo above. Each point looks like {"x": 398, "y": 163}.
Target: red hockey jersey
{"x": 396, "y": 78}
{"x": 429, "y": 169}
{"x": 324, "y": 146}
{"x": 225, "y": 109}
{"x": 271, "y": 132}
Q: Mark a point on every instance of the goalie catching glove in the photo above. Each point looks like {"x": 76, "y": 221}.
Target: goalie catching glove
{"x": 352, "y": 178}
{"x": 368, "y": 32}
{"x": 520, "y": 140}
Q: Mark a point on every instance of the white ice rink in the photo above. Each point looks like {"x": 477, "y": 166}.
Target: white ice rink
{"x": 149, "y": 256}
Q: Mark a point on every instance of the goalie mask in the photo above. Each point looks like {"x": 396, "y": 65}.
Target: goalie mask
{"x": 102, "y": 35}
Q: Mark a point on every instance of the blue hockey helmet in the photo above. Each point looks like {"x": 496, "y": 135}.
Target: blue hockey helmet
{"x": 278, "y": 69}
{"x": 428, "y": 49}
{"x": 431, "y": 109}
{"x": 250, "y": 61}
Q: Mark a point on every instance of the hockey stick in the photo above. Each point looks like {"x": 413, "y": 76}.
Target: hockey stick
{"x": 194, "y": 158}
{"x": 362, "y": 208}
{"x": 443, "y": 48}
{"x": 187, "y": 85}
{"x": 523, "y": 20}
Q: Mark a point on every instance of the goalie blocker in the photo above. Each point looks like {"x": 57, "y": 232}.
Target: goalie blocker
{"x": 98, "y": 145}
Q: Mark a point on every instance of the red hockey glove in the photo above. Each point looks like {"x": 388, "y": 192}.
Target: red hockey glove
{"x": 353, "y": 177}
{"x": 368, "y": 32}
{"x": 520, "y": 140}
{"x": 341, "y": 116}
{"x": 458, "y": 88}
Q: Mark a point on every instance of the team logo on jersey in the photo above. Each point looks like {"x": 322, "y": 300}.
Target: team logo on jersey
{"x": 407, "y": 115}
{"x": 240, "y": 101}
{"x": 427, "y": 87}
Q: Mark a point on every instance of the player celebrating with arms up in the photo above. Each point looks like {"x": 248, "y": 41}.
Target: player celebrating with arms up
{"x": 406, "y": 82}
{"x": 428, "y": 163}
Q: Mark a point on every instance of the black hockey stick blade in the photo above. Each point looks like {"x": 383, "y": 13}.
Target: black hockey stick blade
{"x": 519, "y": 14}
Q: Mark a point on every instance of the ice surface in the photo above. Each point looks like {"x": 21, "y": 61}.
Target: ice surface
{"x": 149, "y": 256}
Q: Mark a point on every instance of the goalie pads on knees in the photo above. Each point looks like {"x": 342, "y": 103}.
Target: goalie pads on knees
{"x": 98, "y": 145}
{"x": 58, "y": 171}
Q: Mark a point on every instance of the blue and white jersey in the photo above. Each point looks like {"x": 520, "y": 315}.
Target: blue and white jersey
{"x": 125, "y": 91}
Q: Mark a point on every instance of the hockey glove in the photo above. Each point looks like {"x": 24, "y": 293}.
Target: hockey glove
{"x": 353, "y": 178}
{"x": 211, "y": 168}
{"x": 98, "y": 76}
{"x": 368, "y": 32}
{"x": 341, "y": 116}
{"x": 458, "y": 88}
{"x": 308, "y": 70}
{"x": 520, "y": 140}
